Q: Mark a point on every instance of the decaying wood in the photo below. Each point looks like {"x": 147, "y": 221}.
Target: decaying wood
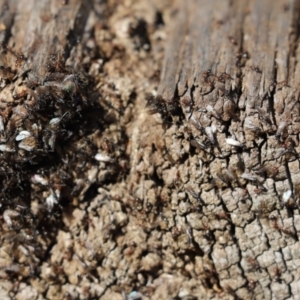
{"x": 41, "y": 28}
{"x": 233, "y": 66}
{"x": 200, "y": 201}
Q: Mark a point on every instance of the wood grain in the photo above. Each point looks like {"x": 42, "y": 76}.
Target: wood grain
{"x": 255, "y": 44}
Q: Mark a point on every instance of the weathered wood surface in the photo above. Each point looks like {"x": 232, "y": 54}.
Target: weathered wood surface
{"x": 41, "y": 28}
{"x": 171, "y": 210}
{"x": 256, "y": 103}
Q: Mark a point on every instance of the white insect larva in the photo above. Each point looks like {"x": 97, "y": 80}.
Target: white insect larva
{"x": 286, "y": 196}
{"x": 8, "y": 215}
{"x": 210, "y": 131}
{"x": 200, "y": 165}
{"x": 35, "y": 129}
{"x": 209, "y": 108}
{"x": 233, "y": 142}
{"x": 23, "y": 135}
{"x": 133, "y": 296}
{"x": 280, "y": 129}
{"x": 57, "y": 193}
{"x": 6, "y": 148}
{"x": 50, "y": 201}
{"x": 54, "y": 121}
{"x": 51, "y": 141}
{"x": 1, "y": 124}
{"x": 104, "y": 158}
{"x": 38, "y": 179}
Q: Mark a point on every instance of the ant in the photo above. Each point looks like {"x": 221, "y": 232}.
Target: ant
{"x": 130, "y": 249}
{"x": 207, "y": 232}
{"x": 21, "y": 95}
{"x": 254, "y": 264}
{"x": 207, "y": 78}
{"x": 56, "y": 64}
{"x": 260, "y": 190}
{"x": 277, "y": 275}
{"x": 232, "y": 40}
{"x": 20, "y": 57}
{"x": 222, "y": 215}
{"x": 224, "y": 76}
{"x": 241, "y": 58}
{"x": 251, "y": 284}
{"x": 282, "y": 84}
{"x": 175, "y": 231}
{"x": 281, "y": 228}
{"x": 255, "y": 69}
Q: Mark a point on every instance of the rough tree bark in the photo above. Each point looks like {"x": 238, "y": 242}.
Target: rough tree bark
{"x": 192, "y": 194}
{"x": 231, "y": 67}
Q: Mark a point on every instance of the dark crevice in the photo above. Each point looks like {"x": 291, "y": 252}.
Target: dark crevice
{"x": 294, "y": 36}
{"x": 7, "y": 17}
{"x": 79, "y": 26}
{"x": 289, "y": 177}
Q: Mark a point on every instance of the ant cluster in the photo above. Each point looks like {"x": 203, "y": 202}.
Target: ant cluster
{"x": 44, "y": 149}
{"x": 211, "y": 79}
{"x": 158, "y": 105}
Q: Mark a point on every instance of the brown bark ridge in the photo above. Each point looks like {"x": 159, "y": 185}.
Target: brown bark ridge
{"x": 103, "y": 198}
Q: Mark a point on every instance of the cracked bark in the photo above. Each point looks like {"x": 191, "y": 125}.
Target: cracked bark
{"x": 255, "y": 42}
